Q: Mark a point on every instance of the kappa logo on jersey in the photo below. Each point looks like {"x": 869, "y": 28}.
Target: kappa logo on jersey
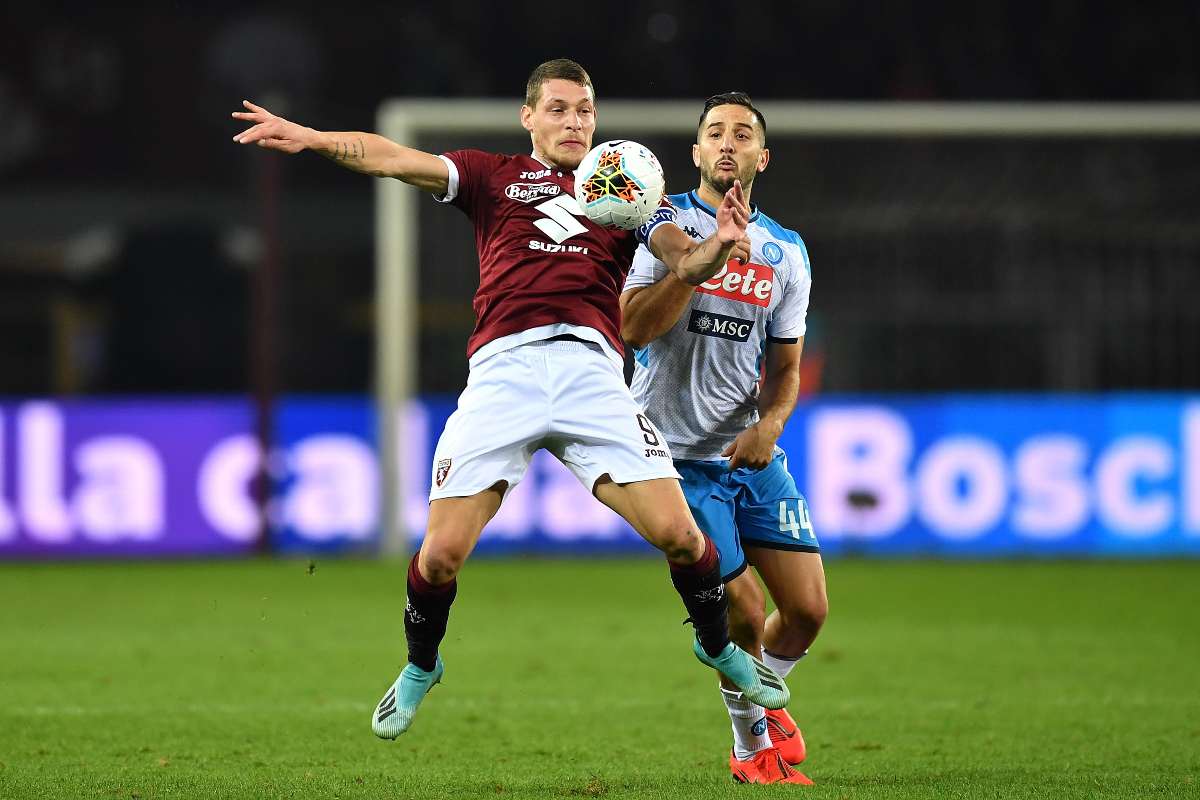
{"x": 528, "y": 192}
{"x": 746, "y": 283}
{"x": 707, "y": 323}
{"x": 443, "y": 469}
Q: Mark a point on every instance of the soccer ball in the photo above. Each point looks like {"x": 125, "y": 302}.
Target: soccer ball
{"x": 619, "y": 184}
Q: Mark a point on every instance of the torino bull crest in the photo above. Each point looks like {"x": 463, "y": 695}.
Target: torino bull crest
{"x": 619, "y": 184}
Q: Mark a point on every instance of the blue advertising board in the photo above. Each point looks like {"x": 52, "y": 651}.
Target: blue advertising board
{"x": 126, "y": 478}
{"x": 946, "y": 476}
{"x": 1005, "y": 475}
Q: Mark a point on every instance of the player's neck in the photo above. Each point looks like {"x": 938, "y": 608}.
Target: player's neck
{"x": 547, "y": 162}
{"x": 711, "y": 196}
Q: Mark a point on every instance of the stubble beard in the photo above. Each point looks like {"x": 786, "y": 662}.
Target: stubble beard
{"x": 561, "y": 159}
{"x": 570, "y": 161}
{"x": 722, "y": 184}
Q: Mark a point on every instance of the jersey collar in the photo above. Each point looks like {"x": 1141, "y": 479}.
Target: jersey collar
{"x": 712, "y": 212}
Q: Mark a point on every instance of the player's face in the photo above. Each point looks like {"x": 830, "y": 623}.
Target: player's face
{"x": 730, "y": 147}
{"x": 563, "y": 122}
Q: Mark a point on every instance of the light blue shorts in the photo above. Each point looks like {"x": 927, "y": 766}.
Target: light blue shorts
{"x": 747, "y": 507}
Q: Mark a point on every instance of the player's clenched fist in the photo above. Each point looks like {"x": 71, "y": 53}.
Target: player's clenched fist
{"x": 270, "y": 131}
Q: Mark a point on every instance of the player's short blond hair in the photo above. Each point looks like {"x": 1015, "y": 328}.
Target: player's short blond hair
{"x": 561, "y": 68}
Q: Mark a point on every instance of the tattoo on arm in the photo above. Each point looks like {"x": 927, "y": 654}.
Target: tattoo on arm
{"x": 349, "y": 151}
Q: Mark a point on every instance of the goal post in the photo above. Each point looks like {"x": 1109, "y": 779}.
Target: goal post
{"x": 397, "y": 226}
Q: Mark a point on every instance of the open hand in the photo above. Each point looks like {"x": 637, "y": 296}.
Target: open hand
{"x": 272, "y": 132}
{"x": 733, "y": 215}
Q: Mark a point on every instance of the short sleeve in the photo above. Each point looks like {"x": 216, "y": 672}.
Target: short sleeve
{"x": 452, "y": 181}
{"x": 469, "y": 171}
{"x": 646, "y": 270}
{"x": 787, "y": 323}
{"x": 664, "y": 214}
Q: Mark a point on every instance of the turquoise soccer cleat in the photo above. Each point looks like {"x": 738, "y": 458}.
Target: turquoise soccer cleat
{"x": 758, "y": 682}
{"x": 396, "y": 710}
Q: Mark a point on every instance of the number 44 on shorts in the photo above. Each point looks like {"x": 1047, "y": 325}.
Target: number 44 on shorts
{"x": 795, "y": 521}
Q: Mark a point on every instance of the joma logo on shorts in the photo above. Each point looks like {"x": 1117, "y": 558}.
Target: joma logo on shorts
{"x": 528, "y": 192}
{"x": 707, "y": 323}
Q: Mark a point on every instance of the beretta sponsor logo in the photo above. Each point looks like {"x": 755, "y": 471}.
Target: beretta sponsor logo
{"x": 707, "y": 323}
{"x": 528, "y": 192}
{"x": 746, "y": 283}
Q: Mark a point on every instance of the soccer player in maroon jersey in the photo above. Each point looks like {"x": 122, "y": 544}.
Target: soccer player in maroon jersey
{"x": 545, "y": 361}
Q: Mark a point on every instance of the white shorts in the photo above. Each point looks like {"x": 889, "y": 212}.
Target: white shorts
{"x": 565, "y": 396}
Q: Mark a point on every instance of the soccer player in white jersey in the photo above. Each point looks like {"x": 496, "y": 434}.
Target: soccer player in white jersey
{"x": 546, "y": 364}
{"x": 718, "y": 371}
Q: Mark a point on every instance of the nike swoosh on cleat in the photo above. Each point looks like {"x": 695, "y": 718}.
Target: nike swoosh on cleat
{"x": 780, "y": 731}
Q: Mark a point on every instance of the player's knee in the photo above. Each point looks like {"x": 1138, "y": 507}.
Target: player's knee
{"x": 440, "y": 566}
{"x": 674, "y": 534}
{"x": 441, "y": 560}
{"x": 806, "y": 613}
{"x": 680, "y": 542}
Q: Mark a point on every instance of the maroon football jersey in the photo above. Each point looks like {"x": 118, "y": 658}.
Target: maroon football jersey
{"x": 541, "y": 261}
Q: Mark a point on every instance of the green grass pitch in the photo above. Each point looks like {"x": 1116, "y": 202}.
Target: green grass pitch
{"x": 575, "y": 679}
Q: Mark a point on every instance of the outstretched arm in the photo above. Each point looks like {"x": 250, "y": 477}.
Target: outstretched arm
{"x": 368, "y": 153}
{"x": 694, "y": 263}
{"x": 755, "y": 446}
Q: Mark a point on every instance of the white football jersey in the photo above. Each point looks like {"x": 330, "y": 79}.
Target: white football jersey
{"x": 699, "y": 381}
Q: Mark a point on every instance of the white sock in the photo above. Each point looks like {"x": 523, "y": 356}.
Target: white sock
{"x": 781, "y": 664}
{"x": 749, "y": 725}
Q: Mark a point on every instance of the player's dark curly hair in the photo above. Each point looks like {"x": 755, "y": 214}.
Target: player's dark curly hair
{"x": 733, "y": 99}
{"x": 563, "y": 68}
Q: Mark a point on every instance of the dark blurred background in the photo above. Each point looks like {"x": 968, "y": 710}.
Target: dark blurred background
{"x": 134, "y": 234}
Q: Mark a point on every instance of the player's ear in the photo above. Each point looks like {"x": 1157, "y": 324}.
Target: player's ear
{"x": 527, "y": 118}
{"x": 763, "y": 158}
{"x": 696, "y": 155}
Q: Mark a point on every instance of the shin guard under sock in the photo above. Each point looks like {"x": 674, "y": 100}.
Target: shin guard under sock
{"x": 425, "y": 616}
{"x": 703, "y": 594}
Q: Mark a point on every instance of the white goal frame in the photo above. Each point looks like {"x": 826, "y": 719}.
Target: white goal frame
{"x": 397, "y": 227}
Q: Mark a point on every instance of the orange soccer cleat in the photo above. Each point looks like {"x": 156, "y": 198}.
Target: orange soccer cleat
{"x": 785, "y": 736}
{"x": 766, "y": 766}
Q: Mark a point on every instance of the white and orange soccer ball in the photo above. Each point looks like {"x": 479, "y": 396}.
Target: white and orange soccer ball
{"x": 619, "y": 184}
